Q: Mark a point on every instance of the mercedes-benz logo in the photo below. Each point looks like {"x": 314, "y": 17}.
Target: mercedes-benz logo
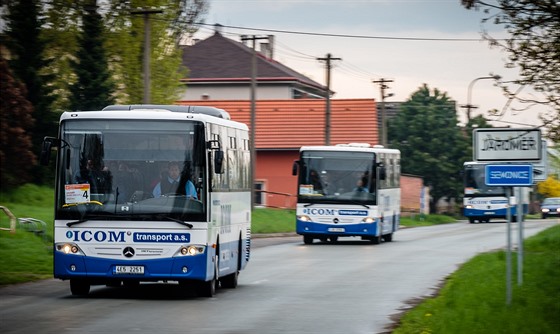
{"x": 335, "y": 220}
{"x": 128, "y": 252}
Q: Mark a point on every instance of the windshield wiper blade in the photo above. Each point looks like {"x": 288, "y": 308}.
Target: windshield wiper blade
{"x": 178, "y": 221}
{"x": 85, "y": 219}
{"x": 82, "y": 220}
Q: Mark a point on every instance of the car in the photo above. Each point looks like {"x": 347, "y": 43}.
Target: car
{"x": 550, "y": 207}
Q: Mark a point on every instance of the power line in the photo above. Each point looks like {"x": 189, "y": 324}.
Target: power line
{"x": 293, "y": 32}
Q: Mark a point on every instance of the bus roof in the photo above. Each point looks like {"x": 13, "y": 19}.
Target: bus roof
{"x": 157, "y": 112}
{"x": 352, "y": 147}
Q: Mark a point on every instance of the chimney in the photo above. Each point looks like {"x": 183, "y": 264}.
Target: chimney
{"x": 271, "y": 46}
{"x": 218, "y": 29}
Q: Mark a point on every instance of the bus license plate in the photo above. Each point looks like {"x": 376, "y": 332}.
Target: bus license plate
{"x": 129, "y": 270}
{"x": 336, "y": 229}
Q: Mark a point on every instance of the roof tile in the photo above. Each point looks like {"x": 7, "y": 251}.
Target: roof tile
{"x": 290, "y": 124}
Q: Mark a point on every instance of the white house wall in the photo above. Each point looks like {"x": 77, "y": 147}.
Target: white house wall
{"x": 236, "y": 93}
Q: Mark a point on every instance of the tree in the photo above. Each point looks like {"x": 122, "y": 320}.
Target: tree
{"x": 534, "y": 28}
{"x": 93, "y": 88}
{"x": 16, "y": 157}
{"x": 432, "y": 145}
{"x": 549, "y": 187}
{"x": 23, "y": 28}
{"x": 126, "y": 37}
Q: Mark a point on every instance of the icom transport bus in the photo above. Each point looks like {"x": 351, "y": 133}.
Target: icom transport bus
{"x": 481, "y": 203}
{"x": 151, "y": 193}
{"x": 348, "y": 190}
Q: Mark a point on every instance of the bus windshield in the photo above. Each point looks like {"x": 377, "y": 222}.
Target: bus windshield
{"x": 475, "y": 184}
{"x": 131, "y": 170}
{"x": 337, "y": 177}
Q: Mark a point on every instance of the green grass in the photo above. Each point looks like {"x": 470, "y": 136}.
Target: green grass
{"x": 25, "y": 256}
{"x": 426, "y": 220}
{"x": 473, "y": 299}
{"x": 266, "y": 220}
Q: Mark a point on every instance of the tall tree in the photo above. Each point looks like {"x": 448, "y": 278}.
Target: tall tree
{"x": 23, "y": 27}
{"x": 432, "y": 145}
{"x": 534, "y": 29}
{"x": 16, "y": 157}
{"x": 126, "y": 39}
{"x": 94, "y": 87}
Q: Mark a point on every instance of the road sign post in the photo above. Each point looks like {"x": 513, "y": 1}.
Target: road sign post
{"x": 511, "y": 176}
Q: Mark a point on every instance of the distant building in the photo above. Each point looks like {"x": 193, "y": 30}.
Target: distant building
{"x": 221, "y": 69}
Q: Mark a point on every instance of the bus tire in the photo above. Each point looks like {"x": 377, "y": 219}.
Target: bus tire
{"x": 308, "y": 240}
{"x": 230, "y": 281}
{"x": 388, "y": 237}
{"x": 376, "y": 240}
{"x": 79, "y": 287}
{"x": 471, "y": 220}
{"x": 207, "y": 288}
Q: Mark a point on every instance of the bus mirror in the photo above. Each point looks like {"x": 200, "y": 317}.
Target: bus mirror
{"x": 382, "y": 171}
{"x": 46, "y": 147}
{"x": 295, "y": 167}
{"x": 219, "y": 161}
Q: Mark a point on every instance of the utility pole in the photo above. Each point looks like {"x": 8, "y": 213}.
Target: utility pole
{"x": 253, "y": 113}
{"x": 382, "y": 85}
{"x": 328, "y": 67}
{"x": 147, "y": 48}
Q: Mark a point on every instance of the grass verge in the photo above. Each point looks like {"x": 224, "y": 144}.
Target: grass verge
{"x": 473, "y": 299}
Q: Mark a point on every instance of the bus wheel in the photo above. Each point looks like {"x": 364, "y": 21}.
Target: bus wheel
{"x": 376, "y": 240}
{"x": 308, "y": 240}
{"x": 230, "y": 281}
{"x": 207, "y": 288}
{"x": 388, "y": 237}
{"x": 471, "y": 220}
{"x": 79, "y": 287}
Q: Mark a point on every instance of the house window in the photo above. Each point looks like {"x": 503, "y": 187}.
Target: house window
{"x": 260, "y": 195}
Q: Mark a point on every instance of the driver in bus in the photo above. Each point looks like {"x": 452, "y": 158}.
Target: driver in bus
{"x": 170, "y": 184}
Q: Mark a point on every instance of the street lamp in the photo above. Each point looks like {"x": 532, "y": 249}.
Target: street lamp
{"x": 469, "y": 106}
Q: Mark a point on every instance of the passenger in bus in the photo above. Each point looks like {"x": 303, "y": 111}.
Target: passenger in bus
{"x": 360, "y": 187}
{"x": 171, "y": 183}
{"x": 361, "y": 184}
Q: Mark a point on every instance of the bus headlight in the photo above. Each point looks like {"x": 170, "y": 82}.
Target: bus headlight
{"x": 468, "y": 206}
{"x": 368, "y": 220}
{"x": 68, "y": 248}
{"x": 191, "y": 250}
{"x": 545, "y": 210}
{"x": 304, "y": 218}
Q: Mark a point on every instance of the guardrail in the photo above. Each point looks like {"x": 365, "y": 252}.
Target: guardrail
{"x": 36, "y": 226}
{"x": 8, "y": 213}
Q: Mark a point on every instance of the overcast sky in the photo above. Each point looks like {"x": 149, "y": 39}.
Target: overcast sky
{"x": 385, "y": 40}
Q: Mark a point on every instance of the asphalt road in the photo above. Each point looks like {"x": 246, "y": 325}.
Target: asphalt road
{"x": 288, "y": 287}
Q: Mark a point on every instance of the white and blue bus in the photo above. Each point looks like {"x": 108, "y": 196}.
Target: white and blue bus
{"x": 481, "y": 203}
{"x": 112, "y": 227}
{"x": 348, "y": 190}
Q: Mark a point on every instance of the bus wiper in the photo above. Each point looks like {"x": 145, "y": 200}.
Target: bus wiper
{"x": 178, "y": 221}
{"x": 82, "y": 220}
{"x": 85, "y": 219}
